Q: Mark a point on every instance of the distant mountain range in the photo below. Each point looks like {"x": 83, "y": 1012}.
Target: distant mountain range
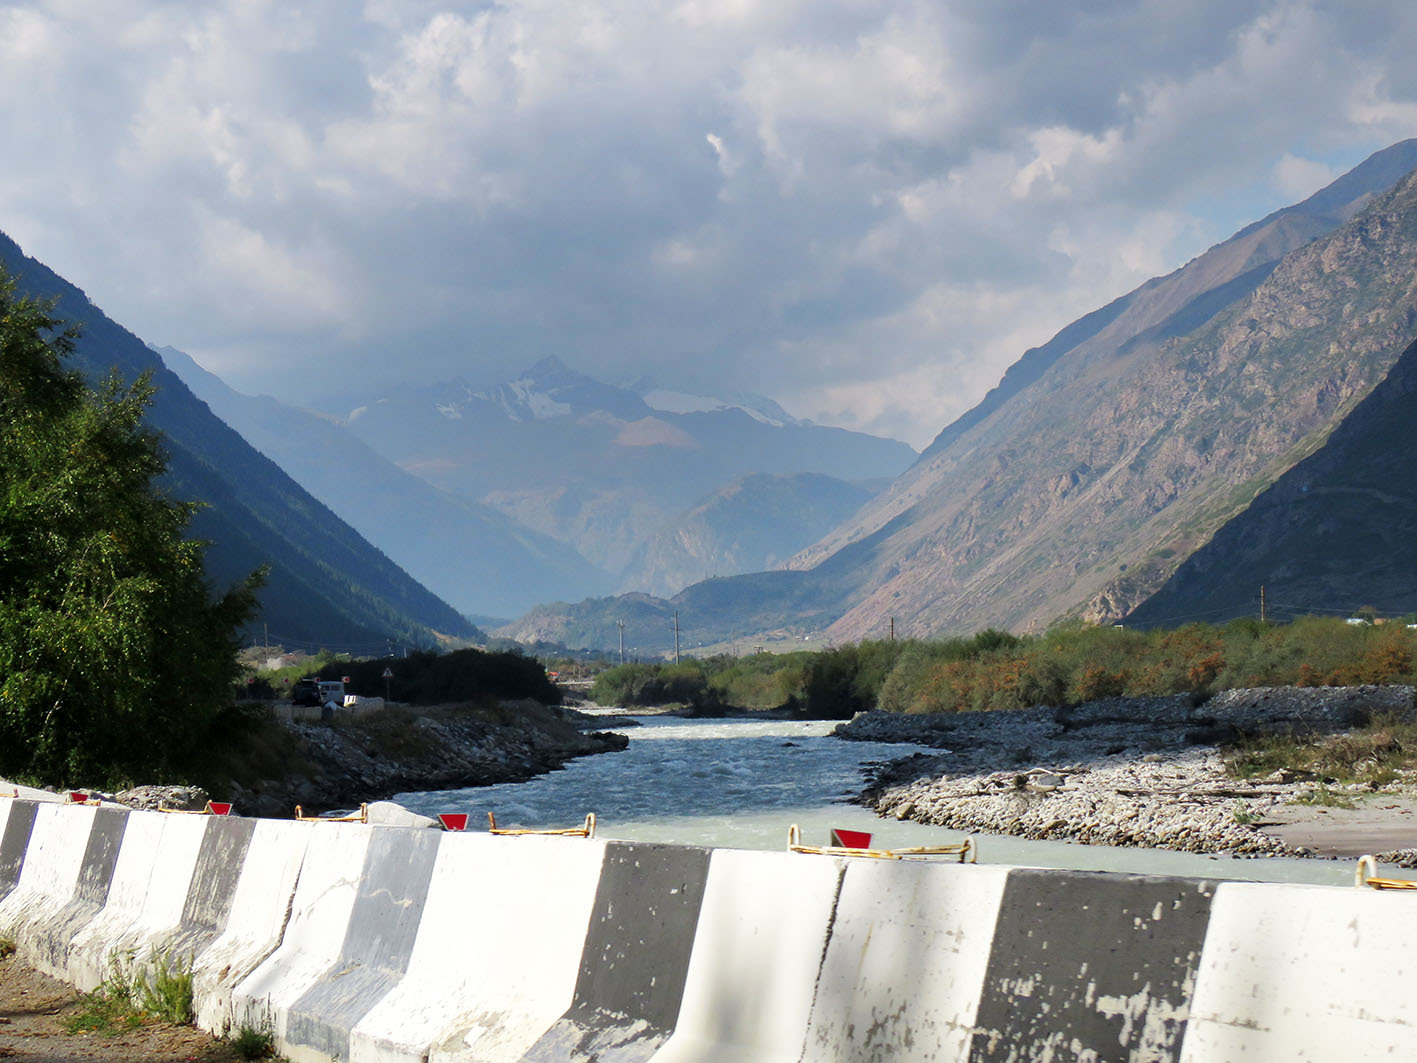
{"x": 480, "y": 560}
{"x": 554, "y": 485}
{"x": 612, "y": 471}
{"x": 1215, "y": 429}
{"x": 327, "y": 587}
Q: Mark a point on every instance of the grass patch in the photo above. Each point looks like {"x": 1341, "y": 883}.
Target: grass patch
{"x": 132, "y": 996}
{"x": 251, "y": 1043}
{"x": 1374, "y": 755}
{"x": 1321, "y": 796}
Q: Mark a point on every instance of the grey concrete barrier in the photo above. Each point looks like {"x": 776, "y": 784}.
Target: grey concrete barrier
{"x": 15, "y": 828}
{"x": 218, "y": 866}
{"x": 635, "y": 960}
{"x": 1091, "y": 965}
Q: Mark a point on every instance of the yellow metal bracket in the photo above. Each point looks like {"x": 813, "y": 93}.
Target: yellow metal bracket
{"x": 362, "y": 816}
{"x": 965, "y": 850}
{"x": 1366, "y": 875}
{"x": 585, "y": 830}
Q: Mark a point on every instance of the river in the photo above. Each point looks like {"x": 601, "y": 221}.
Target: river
{"x": 740, "y": 783}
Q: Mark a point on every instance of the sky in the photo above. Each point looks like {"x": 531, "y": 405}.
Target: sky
{"x": 864, "y": 209}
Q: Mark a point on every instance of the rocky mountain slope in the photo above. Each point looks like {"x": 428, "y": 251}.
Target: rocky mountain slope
{"x": 1109, "y": 456}
{"x": 1082, "y": 484}
{"x": 327, "y": 586}
{"x": 1332, "y": 535}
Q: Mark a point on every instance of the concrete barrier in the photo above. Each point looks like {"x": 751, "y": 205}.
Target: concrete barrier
{"x": 762, "y": 930}
{"x": 378, "y": 942}
{"x": 495, "y": 960}
{"x": 905, "y": 966}
{"x": 365, "y": 943}
{"x": 49, "y": 938}
{"x": 49, "y": 873}
{"x": 86, "y": 960}
{"x": 212, "y": 885}
{"x": 314, "y": 935}
{"x": 1091, "y": 965}
{"x": 259, "y": 910}
{"x": 14, "y": 840}
{"x": 1301, "y": 973}
{"x": 630, "y": 984}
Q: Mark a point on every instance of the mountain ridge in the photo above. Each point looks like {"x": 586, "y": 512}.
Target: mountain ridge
{"x": 327, "y": 587}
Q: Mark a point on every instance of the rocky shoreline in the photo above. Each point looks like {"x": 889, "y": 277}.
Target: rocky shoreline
{"x": 350, "y": 760}
{"x": 1146, "y": 772}
{"x": 441, "y": 748}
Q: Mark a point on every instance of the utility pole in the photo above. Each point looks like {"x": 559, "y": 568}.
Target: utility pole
{"x": 1263, "y": 617}
{"x": 621, "y": 625}
{"x": 892, "y": 629}
{"x": 676, "y": 636}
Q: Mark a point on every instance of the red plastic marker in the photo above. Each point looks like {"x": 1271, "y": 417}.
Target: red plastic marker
{"x": 851, "y": 839}
{"x": 220, "y": 808}
{"x": 453, "y": 820}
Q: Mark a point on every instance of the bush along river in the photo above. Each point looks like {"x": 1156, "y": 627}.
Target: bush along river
{"x": 741, "y": 782}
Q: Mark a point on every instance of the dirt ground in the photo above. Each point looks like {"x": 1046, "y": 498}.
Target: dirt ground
{"x": 33, "y": 1010}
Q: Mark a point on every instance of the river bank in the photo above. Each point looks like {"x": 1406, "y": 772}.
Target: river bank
{"x": 1148, "y": 772}
{"x": 271, "y": 765}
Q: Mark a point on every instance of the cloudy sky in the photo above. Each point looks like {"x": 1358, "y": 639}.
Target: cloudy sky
{"x": 866, "y": 209}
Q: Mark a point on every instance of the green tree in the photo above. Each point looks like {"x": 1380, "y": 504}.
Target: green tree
{"x": 115, "y": 657}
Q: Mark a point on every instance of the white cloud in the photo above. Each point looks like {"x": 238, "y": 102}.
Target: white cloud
{"x": 866, "y": 210}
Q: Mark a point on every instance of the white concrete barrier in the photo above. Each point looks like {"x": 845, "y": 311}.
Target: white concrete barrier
{"x": 49, "y": 939}
{"x": 146, "y": 899}
{"x": 901, "y": 979}
{"x": 761, "y": 936}
{"x": 1305, "y": 973}
{"x": 319, "y": 919}
{"x": 49, "y": 874}
{"x": 374, "y": 956}
{"x": 408, "y": 944}
{"x": 520, "y": 906}
{"x": 259, "y": 911}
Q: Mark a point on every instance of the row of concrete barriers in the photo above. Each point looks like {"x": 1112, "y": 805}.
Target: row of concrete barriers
{"x": 352, "y": 942}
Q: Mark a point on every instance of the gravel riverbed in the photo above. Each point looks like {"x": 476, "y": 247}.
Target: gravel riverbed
{"x": 1147, "y": 772}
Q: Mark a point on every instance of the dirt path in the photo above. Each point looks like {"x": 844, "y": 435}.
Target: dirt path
{"x": 33, "y": 1010}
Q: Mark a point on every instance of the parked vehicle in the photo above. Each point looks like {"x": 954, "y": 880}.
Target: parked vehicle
{"x": 318, "y": 692}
